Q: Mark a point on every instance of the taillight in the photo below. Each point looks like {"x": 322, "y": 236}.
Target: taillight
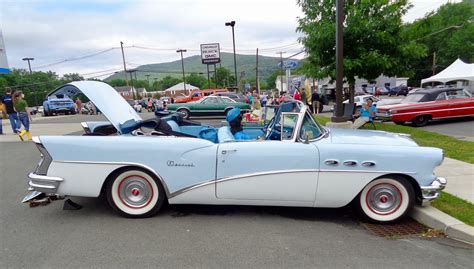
{"x": 46, "y": 159}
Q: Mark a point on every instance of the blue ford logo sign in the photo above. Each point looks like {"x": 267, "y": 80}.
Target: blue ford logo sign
{"x": 289, "y": 64}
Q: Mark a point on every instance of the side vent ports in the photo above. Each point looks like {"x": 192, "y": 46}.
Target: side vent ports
{"x": 368, "y": 164}
{"x": 350, "y": 163}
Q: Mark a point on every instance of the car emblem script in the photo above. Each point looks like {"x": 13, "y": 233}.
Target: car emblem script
{"x": 173, "y": 164}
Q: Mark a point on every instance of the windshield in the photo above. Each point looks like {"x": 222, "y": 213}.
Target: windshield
{"x": 310, "y": 129}
{"x": 413, "y": 98}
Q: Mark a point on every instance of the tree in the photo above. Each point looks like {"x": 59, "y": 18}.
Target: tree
{"x": 72, "y": 77}
{"x": 271, "y": 79}
{"x": 374, "y": 40}
{"x": 448, "y": 32}
{"x": 117, "y": 82}
{"x": 196, "y": 80}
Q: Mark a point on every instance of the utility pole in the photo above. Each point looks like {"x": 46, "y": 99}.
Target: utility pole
{"x": 182, "y": 66}
{"x": 339, "y": 116}
{"x": 256, "y": 75}
{"x": 31, "y": 73}
{"x": 433, "y": 67}
{"x": 155, "y": 87}
{"x": 215, "y": 75}
{"x": 208, "y": 78}
{"x": 124, "y": 66}
{"x": 148, "y": 79}
{"x": 281, "y": 69}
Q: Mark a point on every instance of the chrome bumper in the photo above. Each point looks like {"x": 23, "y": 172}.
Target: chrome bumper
{"x": 432, "y": 191}
{"x": 44, "y": 184}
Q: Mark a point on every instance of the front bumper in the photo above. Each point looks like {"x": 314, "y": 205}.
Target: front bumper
{"x": 384, "y": 116}
{"x": 432, "y": 192}
{"x": 44, "y": 184}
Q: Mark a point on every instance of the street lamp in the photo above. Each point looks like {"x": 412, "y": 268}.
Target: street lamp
{"x": 232, "y": 24}
{"x": 29, "y": 66}
{"x": 182, "y": 66}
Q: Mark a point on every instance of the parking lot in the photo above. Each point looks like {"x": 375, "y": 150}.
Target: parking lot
{"x": 190, "y": 236}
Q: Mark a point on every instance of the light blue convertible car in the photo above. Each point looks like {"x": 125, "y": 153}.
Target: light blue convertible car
{"x": 293, "y": 161}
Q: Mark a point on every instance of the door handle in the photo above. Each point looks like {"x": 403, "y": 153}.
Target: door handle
{"x": 331, "y": 162}
{"x": 225, "y": 151}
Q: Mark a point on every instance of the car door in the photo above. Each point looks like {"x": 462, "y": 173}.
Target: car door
{"x": 460, "y": 103}
{"x": 209, "y": 106}
{"x": 274, "y": 172}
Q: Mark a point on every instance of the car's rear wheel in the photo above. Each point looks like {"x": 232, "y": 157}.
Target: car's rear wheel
{"x": 184, "y": 112}
{"x": 134, "y": 193}
{"x": 386, "y": 200}
{"x": 420, "y": 120}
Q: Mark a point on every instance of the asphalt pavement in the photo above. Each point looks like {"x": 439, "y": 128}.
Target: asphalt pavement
{"x": 195, "y": 236}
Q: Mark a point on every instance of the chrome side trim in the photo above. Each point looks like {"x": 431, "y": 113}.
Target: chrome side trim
{"x": 350, "y": 163}
{"x": 367, "y": 171}
{"x": 203, "y": 184}
{"x": 127, "y": 163}
{"x": 45, "y": 178}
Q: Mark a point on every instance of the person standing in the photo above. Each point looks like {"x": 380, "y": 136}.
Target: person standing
{"x": 7, "y": 100}
{"x": 23, "y": 114}
{"x": 78, "y": 105}
{"x": 315, "y": 100}
{"x": 2, "y": 114}
{"x": 297, "y": 95}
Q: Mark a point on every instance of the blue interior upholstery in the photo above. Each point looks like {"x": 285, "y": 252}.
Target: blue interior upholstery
{"x": 174, "y": 126}
{"x": 224, "y": 135}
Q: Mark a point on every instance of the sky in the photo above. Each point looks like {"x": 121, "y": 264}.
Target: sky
{"x": 84, "y": 36}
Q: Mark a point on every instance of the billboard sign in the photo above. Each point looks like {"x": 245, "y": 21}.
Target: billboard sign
{"x": 210, "y": 53}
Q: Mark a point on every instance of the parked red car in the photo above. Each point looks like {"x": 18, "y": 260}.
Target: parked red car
{"x": 429, "y": 104}
{"x": 197, "y": 95}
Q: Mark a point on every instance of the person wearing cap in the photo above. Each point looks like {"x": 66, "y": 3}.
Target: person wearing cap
{"x": 234, "y": 117}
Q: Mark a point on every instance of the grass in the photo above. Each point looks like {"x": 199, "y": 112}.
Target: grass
{"x": 453, "y": 148}
{"x": 458, "y": 208}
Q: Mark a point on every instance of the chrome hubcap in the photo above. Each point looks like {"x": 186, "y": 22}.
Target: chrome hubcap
{"x": 384, "y": 199}
{"x": 135, "y": 191}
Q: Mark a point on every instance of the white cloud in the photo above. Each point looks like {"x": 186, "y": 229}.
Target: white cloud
{"x": 55, "y": 30}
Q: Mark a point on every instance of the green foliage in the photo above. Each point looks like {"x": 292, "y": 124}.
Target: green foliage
{"x": 271, "y": 79}
{"x": 447, "y": 32}
{"x": 165, "y": 83}
{"x": 458, "y": 208}
{"x": 374, "y": 42}
{"x": 197, "y": 80}
{"x": 72, "y": 77}
{"x": 35, "y": 86}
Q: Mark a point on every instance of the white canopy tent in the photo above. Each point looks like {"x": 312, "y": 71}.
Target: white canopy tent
{"x": 458, "y": 70}
{"x": 180, "y": 88}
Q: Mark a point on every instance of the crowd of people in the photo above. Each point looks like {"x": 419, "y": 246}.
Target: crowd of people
{"x": 14, "y": 108}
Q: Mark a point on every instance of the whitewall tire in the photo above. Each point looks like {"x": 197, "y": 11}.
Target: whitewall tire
{"x": 386, "y": 200}
{"x": 135, "y": 193}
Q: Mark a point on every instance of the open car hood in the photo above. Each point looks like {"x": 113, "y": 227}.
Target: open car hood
{"x": 122, "y": 116}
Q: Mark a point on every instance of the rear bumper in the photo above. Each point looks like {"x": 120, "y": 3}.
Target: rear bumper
{"x": 44, "y": 184}
{"x": 432, "y": 192}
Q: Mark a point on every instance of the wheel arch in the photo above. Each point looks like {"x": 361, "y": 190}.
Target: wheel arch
{"x": 408, "y": 178}
{"x": 140, "y": 167}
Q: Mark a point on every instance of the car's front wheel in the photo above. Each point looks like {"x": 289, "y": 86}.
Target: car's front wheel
{"x": 386, "y": 200}
{"x": 135, "y": 193}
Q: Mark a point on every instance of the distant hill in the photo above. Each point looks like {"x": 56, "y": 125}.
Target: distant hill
{"x": 192, "y": 64}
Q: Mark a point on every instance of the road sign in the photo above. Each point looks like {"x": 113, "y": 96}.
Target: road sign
{"x": 210, "y": 53}
{"x": 289, "y": 64}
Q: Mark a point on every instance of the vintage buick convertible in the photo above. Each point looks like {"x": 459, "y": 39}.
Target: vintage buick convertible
{"x": 293, "y": 161}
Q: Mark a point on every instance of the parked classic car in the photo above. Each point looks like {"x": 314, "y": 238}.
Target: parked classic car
{"x": 424, "y": 105}
{"x": 362, "y": 99}
{"x": 196, "y": 95}
{"x": 57, "y": 103}
{"x": 238, "y": 97}
{"x": 208, "y": 106}
{"x": 146, "y": 163}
